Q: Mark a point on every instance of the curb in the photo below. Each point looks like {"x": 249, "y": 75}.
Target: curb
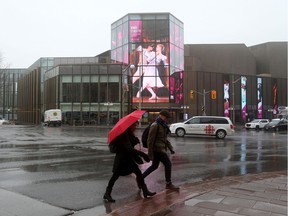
{"x": 231, "y": 181}
{"x": 167, "y": 201}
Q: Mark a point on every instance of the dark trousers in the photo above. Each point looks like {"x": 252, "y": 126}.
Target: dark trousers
{"x": 116, "y": 175}
{"x": 157, "y": 158}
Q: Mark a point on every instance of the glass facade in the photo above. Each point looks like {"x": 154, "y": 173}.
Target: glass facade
{"x": 86, "y": 94}
{"x": 9, "y": 92}
{"x": 154, "y": 44}
{"x": 45, "y": 64}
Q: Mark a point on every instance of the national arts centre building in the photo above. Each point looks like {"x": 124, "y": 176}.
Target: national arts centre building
{"x": 150, "y": 68}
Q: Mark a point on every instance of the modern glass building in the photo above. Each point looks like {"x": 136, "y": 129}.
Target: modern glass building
{"x": 32, "y": 100}
{"x": 86, "y": 93}
{"x": 153, "y": 44}
{"x": 150, "y": 68}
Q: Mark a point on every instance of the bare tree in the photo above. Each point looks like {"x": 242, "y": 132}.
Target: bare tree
{"x": 3, "y": 68}
{"x": 3, "y": 78}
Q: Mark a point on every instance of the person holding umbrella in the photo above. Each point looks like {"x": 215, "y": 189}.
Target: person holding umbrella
{"x": 127, "y": 158}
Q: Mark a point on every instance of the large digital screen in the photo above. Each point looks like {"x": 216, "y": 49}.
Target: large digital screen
{"x": 243, "y": 98}
{"x": 136, "y": 31}
{"x": 156, "y": 48}
{"x": 156, "y": 52}
{"x": 226, "y": 97}
{"x": 259, "y": 97}
{"x": 151, "y": 74}
{"x": 176, "y": 88}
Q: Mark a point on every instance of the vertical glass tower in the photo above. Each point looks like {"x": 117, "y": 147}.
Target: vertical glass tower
{"x": 154, "y": 44}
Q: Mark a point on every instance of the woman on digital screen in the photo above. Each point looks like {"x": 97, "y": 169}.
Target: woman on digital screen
{"x": 151, "y": 77}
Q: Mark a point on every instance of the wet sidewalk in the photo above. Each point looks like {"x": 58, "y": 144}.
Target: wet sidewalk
{"x": 252, "y": 194}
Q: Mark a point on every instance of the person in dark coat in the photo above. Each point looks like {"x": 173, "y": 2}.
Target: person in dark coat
{"x": 126, "y": 162}
{"x": 158, "y": 146}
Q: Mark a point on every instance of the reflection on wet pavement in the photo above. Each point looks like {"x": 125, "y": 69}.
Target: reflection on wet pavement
{"x": 47, "y": 162}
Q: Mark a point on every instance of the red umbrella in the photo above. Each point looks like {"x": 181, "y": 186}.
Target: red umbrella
{"x": 124, "y": 123}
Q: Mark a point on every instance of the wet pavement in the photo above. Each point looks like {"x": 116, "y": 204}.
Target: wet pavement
{"x": 251, "y": 194}
{"x": 65, "y": 170}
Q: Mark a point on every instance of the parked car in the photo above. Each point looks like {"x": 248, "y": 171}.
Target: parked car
{"x": 277, "y": 125}
{"x": 204, "y": 125}
{"x": 257, "y": 124}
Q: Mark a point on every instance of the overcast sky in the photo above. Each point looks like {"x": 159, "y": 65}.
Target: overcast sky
{"x": 31, "y": 29}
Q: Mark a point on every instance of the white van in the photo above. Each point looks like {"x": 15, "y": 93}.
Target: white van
{"x": 204, "y": 125}
{"x": 2, "y": 120}
{"x": 53, "y": 117}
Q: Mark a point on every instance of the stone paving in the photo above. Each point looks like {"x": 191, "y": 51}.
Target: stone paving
{"x": 251, "y": 194}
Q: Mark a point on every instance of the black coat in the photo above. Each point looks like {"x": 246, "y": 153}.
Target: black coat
{"x": 126, "y": 156}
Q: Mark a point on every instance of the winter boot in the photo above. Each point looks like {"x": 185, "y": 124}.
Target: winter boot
{"x": 107, "y": 196}
{"x": 146, "y": 192}
{"x": 138, "y": 185}
{"x": 171, "y": 186}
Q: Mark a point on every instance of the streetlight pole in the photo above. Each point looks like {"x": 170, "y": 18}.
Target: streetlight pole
{"x": 108, "y": 113}
{"x": 140, "y": 97}
{"x": 204, "y": 102}
{"x": 8, "y": 110}
{"x": 125, "y": 84}
{"x": 233, "y": 97}
{"x": 233, "y": 101}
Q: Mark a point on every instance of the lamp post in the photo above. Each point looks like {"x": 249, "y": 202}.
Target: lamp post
{"x": 108, "y": 104}
{"x": 204, "y": 100}
{"x": 233, "y": 97}
{"x": 126, "y": 72}
{"x": 140, "y": 97}
{"x": 8, "y": 110}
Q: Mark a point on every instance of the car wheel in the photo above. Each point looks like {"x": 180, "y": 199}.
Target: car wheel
{"x": 220, "y": 134}
{"x": 180, "y": 132}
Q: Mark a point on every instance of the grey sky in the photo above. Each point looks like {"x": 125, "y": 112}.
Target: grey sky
{"x": 31, "y": 29}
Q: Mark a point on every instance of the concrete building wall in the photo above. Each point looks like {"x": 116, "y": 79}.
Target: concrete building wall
{"x": 271, "y": 58}
{"x": 220, "y": 58}
{"x": 29, "y": 99}
{"x": 208, "y": 66}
